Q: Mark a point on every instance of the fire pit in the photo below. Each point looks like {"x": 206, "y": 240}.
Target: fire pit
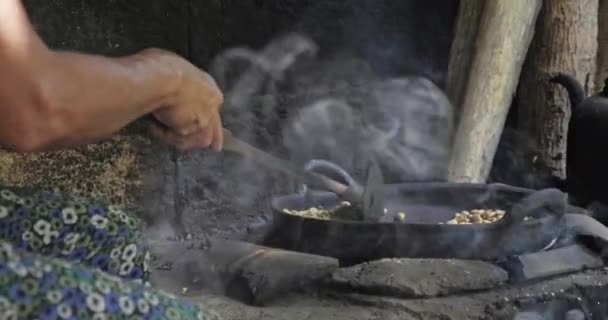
{"x": 321, "y": 268}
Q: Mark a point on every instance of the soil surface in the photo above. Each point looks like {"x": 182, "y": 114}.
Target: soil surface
{"x": 409, "y": 289}
{"x": 583, "y": 291}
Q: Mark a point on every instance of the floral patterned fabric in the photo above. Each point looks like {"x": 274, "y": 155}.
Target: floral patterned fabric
{"x": 62, "y": 258}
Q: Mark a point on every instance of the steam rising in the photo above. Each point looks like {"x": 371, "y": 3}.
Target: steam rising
{"x": 287, "y": 100}
{"x": 406, "y": 123}
{"x": 258, "y": 80}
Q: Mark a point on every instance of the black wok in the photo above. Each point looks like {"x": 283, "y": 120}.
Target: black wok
{"x": 421, "y": 236}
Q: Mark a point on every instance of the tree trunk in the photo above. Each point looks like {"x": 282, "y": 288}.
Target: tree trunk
{"x": 565, "y": 41}
{"x": 505, "y": 32}
{"x": 462, "y": 51}
{"x": 602, "y": 50}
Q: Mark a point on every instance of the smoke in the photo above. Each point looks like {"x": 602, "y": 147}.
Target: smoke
{"x": 275, "y": 97}
{"x": 291, "y": 102}
{"x": 300, "y": 106}
{"x": 406, "y": 123}
{"x": 250, "y": 94}
{"x": 253, "y": 111}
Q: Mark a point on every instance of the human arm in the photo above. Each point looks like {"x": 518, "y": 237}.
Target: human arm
{"x": 52, "y": 99}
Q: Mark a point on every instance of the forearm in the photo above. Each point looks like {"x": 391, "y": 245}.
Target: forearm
{"x": 71, "y": 98}
{"x": 91, "y": 97}
{"x": 51, "y": 99}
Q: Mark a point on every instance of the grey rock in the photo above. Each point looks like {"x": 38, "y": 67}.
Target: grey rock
{"x": 503, "y": 303}
{"x": 575, "y": 314}
{"x": 418, "y": 278}
{"x": 528, "y": 316}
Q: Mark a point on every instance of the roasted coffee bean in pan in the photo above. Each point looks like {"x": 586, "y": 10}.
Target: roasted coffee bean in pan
{"x": 475, "y": 216}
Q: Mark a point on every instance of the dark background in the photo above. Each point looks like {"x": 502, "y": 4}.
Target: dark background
{"x": 395, "y": 37}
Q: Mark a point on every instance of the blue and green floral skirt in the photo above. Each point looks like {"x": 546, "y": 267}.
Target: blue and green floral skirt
{"x": 62, "y": 258}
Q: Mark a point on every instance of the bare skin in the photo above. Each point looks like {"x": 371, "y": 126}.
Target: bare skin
{"x": 53, "y": 99}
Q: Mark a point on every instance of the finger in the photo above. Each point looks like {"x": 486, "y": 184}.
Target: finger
{"x": 189, "y": 130}
{"x": 213, "y": 133}
{"x": 205, "y": 137}
{"x": 218, "y": 135}
{"x": 216, "y": 92}
{"x": 181, "y": 125}
{"x": 202, "y": 122}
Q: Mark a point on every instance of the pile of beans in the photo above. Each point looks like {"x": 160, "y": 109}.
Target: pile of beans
{"x": 477, "y": 216}
{"x": 316, "y": 213}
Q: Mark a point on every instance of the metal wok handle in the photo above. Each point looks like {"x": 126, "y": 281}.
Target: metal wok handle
{"x": 552, "y": 201}
{"x": 316, "y": 164}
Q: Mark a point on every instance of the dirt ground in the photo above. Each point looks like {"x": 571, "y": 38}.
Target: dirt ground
{"x": 584, "y": 291}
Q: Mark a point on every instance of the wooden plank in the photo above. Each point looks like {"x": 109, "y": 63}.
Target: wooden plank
{"x": 505, "y": 33}
{"x": 565, "y": 41}
{"x": 462, "y": 51}
{"x": 602, "y": 42}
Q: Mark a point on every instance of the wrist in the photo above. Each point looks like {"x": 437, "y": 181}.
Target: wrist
{"x": 157, "y": 72}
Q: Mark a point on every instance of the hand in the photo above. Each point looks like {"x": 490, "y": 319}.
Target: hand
{"x": 190, "y": 117}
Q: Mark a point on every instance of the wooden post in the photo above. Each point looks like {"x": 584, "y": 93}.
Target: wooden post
{"x": 462, "y": 51}
{"x": 505, "y": 33}
{"x": 565, "y": 41}
{"x": 602, "y": 42}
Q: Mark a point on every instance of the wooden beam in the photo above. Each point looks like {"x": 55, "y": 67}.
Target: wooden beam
{"x": 565, "y": 41}
{"x": 505, "y": 33}
{"x": 602, "y": 42}
{"x": 462, "y": 51}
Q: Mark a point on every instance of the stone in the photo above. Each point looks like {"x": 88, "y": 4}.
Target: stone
{"x": 583, "y": 291}
{"x": 297, "y": 307}
{"x": 420, "y": 278}
{"x": 249, "y": 273}
{"x": 528, "y": 315}
{"x": 575, "y": 314}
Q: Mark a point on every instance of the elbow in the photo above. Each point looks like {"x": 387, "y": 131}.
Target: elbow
{"x": 31, "y": 130}
{"x": 32, "y": 118}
